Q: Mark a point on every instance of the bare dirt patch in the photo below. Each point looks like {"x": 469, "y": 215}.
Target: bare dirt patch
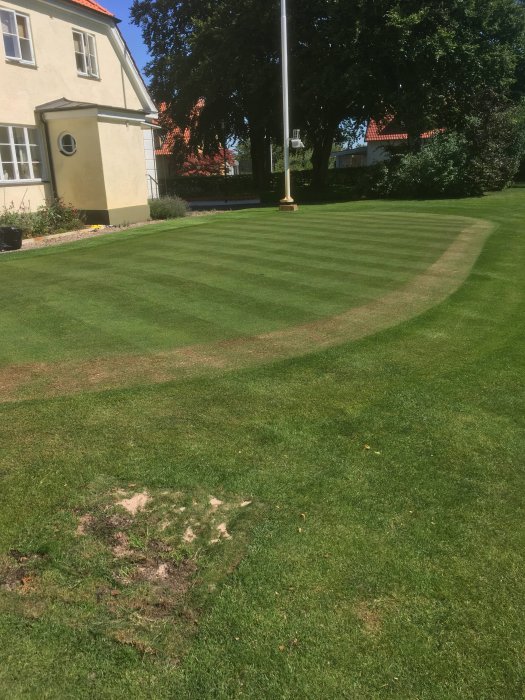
{"x": 135, "y": 503}
{"x": 129, "y": 572}
{"x": 17, "y": 570}
{"x": 18, "y": 382}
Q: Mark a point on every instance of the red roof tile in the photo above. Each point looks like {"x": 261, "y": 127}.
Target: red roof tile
{"x": 173, "y": 135}
{"x": 92, "y": 5}
{"x": 388, "y": 130}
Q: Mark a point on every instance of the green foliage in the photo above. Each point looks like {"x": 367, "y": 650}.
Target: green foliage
{"x": 440, "y": 169}
{"x": 169, "y": 207}
{"x": 55, "y": 217}
{"x": 432, "y": 64}
{"x": 299, "y": 160}
{"x": 18, "y": 218}
{"x": 496, "y": 146}
{"x": 485, "y": 156}
{"x": 435, "y": 64}
{"x": 342, "y": 184}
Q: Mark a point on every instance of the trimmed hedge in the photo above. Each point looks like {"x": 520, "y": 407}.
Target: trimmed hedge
{"x": 214, "y": 187}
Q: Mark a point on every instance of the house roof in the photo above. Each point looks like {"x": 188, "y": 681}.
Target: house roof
{"x": 92, "y": 5}
{"x": 390, "y": 130}
{"x": 173, "y": 134}
{"x": 64, "y": 104}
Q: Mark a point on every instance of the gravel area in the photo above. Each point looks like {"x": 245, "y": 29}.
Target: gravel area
{"x": 87, "y": 232}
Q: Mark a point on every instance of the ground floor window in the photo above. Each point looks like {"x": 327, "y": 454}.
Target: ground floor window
{"x": 20, "y": 158}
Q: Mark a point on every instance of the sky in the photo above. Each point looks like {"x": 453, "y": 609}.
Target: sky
{"x": 131, "y": 33}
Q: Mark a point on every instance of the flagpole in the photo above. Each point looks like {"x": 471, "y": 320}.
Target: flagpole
{"x": 287, "y": 202}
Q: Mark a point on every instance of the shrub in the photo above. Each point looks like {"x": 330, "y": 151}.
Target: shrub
{"x": 18, "y": 218}
{"x": 55, "y": 217}
{"x": 168, "y": 208}
{"x": 440, "y": 169}
{"x": 484, "y": 156}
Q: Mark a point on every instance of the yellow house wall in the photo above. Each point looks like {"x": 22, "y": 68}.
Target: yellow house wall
{"x": 122, "y": 149}
{"x": 27, "y": 197}
{"x": 55, "y": 74}
{"x": 80, "y": 177}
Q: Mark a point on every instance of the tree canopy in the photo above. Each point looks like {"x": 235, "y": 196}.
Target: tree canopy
{"x": 431, "y": 63}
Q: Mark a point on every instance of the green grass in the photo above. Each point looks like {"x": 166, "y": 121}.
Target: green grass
{"x": 208, "y": 279}
{"x": 389, "y": 572}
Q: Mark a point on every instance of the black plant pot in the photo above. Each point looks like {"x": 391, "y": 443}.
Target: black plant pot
{"x": 10, "y": 238}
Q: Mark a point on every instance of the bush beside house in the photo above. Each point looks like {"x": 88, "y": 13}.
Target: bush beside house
{"x": 55, "y": 217}
{"x": 168, "y": 208}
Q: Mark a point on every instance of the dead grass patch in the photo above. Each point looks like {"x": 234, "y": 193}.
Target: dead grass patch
{"x": 127, "y": 568}
{"x": 371, "y": 614}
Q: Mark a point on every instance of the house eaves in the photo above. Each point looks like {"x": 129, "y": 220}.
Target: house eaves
{"x": 72, "y": 109}
{"x": 80, "y": 8}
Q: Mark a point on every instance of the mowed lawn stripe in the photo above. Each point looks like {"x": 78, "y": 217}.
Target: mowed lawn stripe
{"x": 133, "y": 321}
{"x": 330, "y": 226}
{"x": 321, "y": 251}
{"x": 227, "y": 275}
{"x": 207, "y": 282}
{"x": 331, "y": 238}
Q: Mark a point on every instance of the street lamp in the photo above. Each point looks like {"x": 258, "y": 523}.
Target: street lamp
{"x": 287, "y": 203}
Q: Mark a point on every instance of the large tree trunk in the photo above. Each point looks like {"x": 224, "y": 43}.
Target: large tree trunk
{"x": 322, "y": 148}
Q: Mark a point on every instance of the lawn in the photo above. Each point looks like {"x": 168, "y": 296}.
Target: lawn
{"x": 364, "y": 486}
{"x": 208, "y": 279}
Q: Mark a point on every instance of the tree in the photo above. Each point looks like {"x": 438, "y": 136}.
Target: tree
{"x": 432, "y": 64}
{"x": 224, "y": 52}
{"x": 437, "y": 64}
{"x": 328, "y": 87}
{"x": 228, "y": 52}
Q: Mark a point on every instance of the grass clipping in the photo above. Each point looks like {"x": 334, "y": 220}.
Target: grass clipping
{"x": 134, "y": 565}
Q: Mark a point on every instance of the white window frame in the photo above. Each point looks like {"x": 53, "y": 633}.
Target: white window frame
{"x": 26, "y": 18}
{"x": 90, "y": 57}
{"x": 61, "y": 146}
{"x": 14, "y": 160}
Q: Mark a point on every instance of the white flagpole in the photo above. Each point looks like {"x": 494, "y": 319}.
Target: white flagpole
{"x": 287, "y": 199}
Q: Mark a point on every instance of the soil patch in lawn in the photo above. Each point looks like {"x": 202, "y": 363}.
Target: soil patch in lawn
{"x": 126, "y": 569}
{"x": 433, "y": 286}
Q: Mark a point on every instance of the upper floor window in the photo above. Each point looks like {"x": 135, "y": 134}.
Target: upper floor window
{"x": 85, "y": 53}
{"x": 17, "y": 36}
{"x": 19, "y": 154}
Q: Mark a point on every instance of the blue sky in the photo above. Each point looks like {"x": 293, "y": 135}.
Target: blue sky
{"x": 131, "y": 34}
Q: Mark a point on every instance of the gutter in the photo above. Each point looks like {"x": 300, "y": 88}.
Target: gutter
{"x": 52, "y": 176}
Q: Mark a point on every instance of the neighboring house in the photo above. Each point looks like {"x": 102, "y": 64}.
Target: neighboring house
{"x": 75, "y": 115}
{"x": 380, "y": 137}
{"x": 383, "y": 135}
{"x": 350, "y": 157}
{"x": 174, "y": 156}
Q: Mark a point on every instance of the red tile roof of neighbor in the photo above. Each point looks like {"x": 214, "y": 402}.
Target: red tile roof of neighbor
{"x": 173, "y": 135}
{"x": 170, "y": 140}
{"x": 92, "y": 5}
{"x": 388, "y": 130}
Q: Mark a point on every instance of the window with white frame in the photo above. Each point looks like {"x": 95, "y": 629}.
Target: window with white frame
{"x": 20, "y": 158}
{"x": 16, "y": 32}
{"x": 85, "y": 53}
